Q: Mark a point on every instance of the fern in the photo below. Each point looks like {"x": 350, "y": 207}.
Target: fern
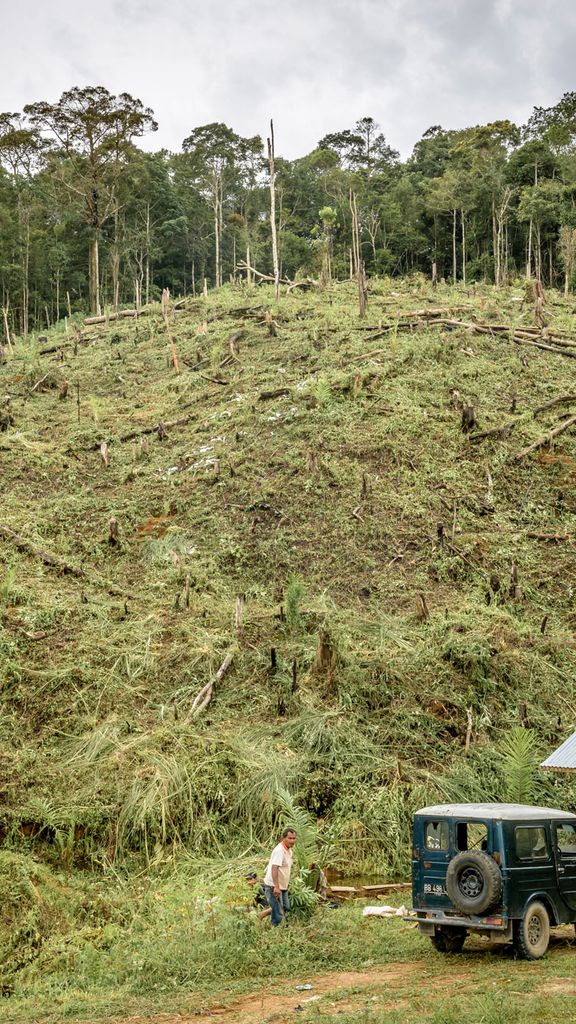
{"x": 294, "y": 594}
{"x": 322, "y": 390}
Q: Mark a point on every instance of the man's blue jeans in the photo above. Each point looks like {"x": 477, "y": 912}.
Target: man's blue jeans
{"x": 280, "y": 905}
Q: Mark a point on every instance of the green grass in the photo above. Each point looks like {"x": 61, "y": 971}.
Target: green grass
{"x": 322, "y": 508}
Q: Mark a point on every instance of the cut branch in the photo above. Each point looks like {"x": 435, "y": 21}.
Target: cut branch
{"x": 204, "y": 696}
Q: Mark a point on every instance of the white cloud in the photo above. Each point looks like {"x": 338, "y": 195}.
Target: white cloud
{"x": 314, "y": 65}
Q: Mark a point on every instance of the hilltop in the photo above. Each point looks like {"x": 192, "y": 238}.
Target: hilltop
{"x": 386, "y": 593}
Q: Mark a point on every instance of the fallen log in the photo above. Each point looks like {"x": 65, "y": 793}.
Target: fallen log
{"x": 308, "y": 283}
{"x": 554, "y": 401}
{"x": 382, "y": 890}
{"x": 157, "y": 428}
{"x": 204, "y": 696}
{"x": 214, "y": 380}
{"x": 263, "y": 277}
{"x": 549, "y": 536}
{"x": 437, "y": 311}
{"x": 265, "y": 396}
{"x": 546, "y": 438}
{"x": 547, "y": 348}
{"x": 24, "y": 545}
{"x": 121, "y": 315}
{"x": 503, "y": 431}
{"x": 363, "y": 355}
{"x": 54, "y": 348}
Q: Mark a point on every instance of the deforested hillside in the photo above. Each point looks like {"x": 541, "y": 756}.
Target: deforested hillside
{"x": 321, "y": 572}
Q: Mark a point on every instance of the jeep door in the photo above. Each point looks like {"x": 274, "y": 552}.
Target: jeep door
{"x": 431, "y": 860}
{"x": 564, "y": 834}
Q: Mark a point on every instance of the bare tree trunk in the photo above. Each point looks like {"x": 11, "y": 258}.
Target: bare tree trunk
{"x": 454, "y": 263}
{"x": 355, "y": 251}
{"x": 93, "y": 277}
{"x": 6, "y": 325}
{"x": 529, "y": 258}
{"x": 495, "y": 246}
{"x": 147, "y": 256}
{"x": 220, "y": 230}
{"x": 358, "y": 262}
{"x": 501, "y": 236}
{"x": 216, "y": 246}
{"x": 272, "y": 167}
{"x": 463, "y": 223}
{"x": 115, "y": 264}
{"x": 26, "y": 279}
{"x": 550, "y": 267}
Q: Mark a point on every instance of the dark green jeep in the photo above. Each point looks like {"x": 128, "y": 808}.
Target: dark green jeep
{"x": 507, "y": 871}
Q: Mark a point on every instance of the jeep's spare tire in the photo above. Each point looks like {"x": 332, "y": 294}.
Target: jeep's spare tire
{"x": 473, "y": 882}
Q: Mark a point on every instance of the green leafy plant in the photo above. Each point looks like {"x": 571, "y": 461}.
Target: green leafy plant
{"x": 294, "y": 594}
{"x": 519, "y": 765}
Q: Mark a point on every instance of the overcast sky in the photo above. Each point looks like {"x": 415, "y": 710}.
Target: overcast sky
{"x": 315, "y": 66}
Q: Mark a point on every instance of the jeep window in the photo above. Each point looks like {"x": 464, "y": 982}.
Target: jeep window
{"x": 531, "y": 842}
{"x": 471, "y": 835}
{"x": 437, "y": 835}
{"x": 566, "y": 840}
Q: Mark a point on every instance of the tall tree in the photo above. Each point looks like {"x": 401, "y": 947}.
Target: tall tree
{"x": 93, "y": 130}
{"x": 215, "y": 160}
{"x": 20, "y": 148}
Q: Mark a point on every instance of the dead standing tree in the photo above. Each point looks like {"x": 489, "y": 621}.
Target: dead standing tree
{"x": 166, "y": 315}
{"x": 272, "y": 167}
{"x": 357, "y": 261}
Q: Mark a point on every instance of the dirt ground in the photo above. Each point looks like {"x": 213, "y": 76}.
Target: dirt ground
{"x": 385, "y": 987}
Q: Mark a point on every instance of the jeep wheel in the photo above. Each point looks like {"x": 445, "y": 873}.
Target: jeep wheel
{"x": 532, "y": 933}
{"x": 448, "y": 940}
{"x": 473, "y": 882}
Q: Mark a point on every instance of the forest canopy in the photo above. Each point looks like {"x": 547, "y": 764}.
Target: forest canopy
{"x": 89, "y": 220}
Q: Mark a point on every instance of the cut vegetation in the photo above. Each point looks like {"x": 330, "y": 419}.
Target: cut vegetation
{"x": 318, "y": 576}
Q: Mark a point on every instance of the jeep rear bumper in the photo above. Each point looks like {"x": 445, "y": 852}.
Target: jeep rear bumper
{"x": 498, "y": 926}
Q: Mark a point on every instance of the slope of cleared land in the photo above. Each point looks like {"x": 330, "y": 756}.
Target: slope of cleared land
{"x": 389, "y": 593}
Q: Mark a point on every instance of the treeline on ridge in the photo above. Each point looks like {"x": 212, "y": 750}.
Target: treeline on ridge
{"x": 87, "y": 219}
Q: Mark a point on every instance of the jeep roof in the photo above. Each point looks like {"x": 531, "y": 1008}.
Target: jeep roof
{"x": 496, "y": 811}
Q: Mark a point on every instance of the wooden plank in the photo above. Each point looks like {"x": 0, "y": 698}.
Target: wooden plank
{"x": 344, "y": 891}
{"x": 377, "y": 890}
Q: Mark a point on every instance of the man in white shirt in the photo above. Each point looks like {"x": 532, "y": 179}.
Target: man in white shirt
{"x": 277, "y": 876}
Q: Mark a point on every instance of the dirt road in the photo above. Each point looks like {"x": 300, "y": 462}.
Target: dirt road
{"x": 389, "y": 987}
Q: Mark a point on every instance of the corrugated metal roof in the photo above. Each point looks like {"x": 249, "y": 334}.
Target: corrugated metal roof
{"x": 564, "y": 758}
